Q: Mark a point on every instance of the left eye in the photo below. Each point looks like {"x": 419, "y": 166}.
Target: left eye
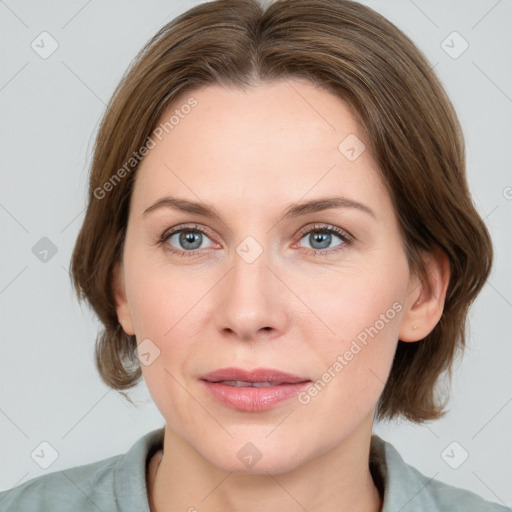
{"x": 320, "y": 239}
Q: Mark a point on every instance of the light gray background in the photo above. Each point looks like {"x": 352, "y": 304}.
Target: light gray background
{"x": 51, "y": 108}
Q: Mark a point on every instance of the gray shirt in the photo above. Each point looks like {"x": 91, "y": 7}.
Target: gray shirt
{"x": 118, "y": 484}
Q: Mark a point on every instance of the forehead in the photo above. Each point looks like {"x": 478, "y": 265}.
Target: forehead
{"x": 278, "y": 140}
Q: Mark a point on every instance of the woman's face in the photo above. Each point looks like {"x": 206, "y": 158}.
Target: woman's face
{"x": 269, "y": 263}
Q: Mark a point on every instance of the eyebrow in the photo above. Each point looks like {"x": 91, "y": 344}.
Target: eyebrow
{"x": 294, "y": 210}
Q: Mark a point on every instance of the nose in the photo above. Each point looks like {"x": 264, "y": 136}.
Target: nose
{"x": 251, "y": 302}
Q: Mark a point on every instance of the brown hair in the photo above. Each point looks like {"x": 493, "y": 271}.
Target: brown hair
{"x": 406, "y": 116}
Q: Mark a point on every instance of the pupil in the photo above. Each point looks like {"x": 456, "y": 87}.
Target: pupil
{"x": 324, "y": 239}
{"x": 189, "y": 237}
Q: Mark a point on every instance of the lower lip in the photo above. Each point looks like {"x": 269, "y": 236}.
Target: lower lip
{"x": 251, "y": 399}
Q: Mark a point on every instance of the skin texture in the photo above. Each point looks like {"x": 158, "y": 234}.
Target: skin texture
{"x": 251, "y": 155}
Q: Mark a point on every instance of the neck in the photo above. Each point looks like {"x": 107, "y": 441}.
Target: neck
{"x": 339, "y": 479}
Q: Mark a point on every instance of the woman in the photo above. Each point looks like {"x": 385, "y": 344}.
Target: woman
{"x": 280, "y": 239}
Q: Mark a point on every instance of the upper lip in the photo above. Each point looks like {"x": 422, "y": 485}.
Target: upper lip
{"x": 256, "y": 375}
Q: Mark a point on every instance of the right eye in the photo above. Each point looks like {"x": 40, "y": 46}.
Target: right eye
{"x": 185, "y": 240}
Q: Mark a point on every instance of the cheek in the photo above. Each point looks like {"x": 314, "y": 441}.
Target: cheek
{"x": 163, "y": 317}
{"x": 158, "y": 298}
{"x": 350, "y": 303}
{"x": 167, "y": 318}
{"x": 360, "y": 313}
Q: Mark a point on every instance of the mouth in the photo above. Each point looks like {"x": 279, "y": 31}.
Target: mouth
{"x": 242, "y": 384}
{"x": 252, "y": 390}
{"x": 259, "y": 377}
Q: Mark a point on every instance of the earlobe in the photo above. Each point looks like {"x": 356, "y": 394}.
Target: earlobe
{"x": 121, "y": 302}
{"x": 426, "y": 297}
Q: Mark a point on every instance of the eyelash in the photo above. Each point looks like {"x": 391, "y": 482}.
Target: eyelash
{"x": 346, "y": 238}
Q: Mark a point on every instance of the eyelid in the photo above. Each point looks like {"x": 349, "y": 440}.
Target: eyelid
{"x": 342, "y": 233}
{"x": 184, "y": 227}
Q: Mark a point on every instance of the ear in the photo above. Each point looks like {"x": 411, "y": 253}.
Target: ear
{"x": 119, "y": 291}
{"x": 425, "y": 299}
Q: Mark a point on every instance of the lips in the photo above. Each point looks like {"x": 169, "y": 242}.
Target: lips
{"x": 230, "y": 376}
{"x": 256, "y": 390}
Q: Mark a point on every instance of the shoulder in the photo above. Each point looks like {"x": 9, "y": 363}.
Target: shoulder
{"x": 110, "y": 485}
{"x": 81, "y": 488}
{"x": 407, "y": 489}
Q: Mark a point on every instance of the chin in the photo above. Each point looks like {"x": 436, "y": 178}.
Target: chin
{"x": 241, "y": 456}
